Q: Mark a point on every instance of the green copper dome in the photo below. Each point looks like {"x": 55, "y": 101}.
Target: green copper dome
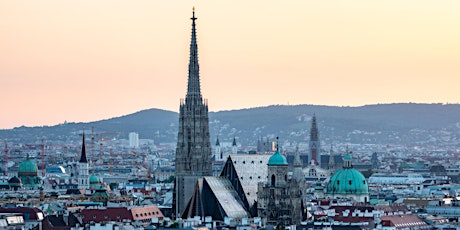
{"x": 348, "y": 181}
{"x": 277, "y": 159}
{"x": 347, "y": 157}
{"x": 93, "y": 182}
{"x": 28, "y": 168}
{"x": 93, "y": 179}
{"x": 28, "y": 173}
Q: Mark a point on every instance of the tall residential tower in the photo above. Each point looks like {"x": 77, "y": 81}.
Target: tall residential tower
{"x": 193, "y": 151}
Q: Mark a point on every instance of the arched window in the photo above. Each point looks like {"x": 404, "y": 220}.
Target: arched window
{"x": 273, "y": 180}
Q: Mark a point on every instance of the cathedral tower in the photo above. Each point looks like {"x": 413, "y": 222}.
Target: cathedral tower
{"x": 83, "y": 169}
{"x": 314, "y": 145}
{"x": 193, "y": 151}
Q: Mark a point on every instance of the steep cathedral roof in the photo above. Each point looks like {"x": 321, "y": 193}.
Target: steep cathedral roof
{"x": 215, "y": 196}
{"x": 246, "y": 171}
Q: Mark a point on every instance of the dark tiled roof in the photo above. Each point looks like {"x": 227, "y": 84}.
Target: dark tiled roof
{"x": 340, "y": 209}
{"x": 393, "y": 208}
{"x": 58, "y": 223}
{"x": 120, "y": 213}
{"x": 108, "y": 214}
{"x": 32, "y": 213}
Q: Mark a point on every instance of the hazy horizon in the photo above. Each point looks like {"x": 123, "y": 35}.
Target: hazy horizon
{"x": 87, "y": 61}
{"x": 211, "y": 111}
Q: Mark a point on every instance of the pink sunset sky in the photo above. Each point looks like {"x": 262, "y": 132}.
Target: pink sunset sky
{"x": 82, "y": 61}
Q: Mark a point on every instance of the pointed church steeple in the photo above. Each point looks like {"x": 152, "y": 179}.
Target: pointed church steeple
{"x": 193, "y": 89}
{"x": 234, "y": 146}
{"x": 83, "y": 168}
{"x": 83, "y": 158}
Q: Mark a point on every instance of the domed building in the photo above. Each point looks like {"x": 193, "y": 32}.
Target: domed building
{"x": 348, "y": 183}
{"x": 277, "y": 159}
{"x": 28, "y": 173}
{"x": 94, "y": 182}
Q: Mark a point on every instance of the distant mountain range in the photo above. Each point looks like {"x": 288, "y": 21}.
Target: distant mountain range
{"x": 408, "y": 123}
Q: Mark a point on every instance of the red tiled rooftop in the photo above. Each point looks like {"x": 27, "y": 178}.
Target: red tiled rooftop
{"x": 403, "y": 221}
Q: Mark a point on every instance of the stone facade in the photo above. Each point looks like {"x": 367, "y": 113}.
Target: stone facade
{"x": 280, "y": 199}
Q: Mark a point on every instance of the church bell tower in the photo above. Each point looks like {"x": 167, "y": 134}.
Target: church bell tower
{"x": 193, "y": 150}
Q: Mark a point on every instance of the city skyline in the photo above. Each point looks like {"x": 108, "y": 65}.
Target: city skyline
{"x": 81, "y": 61}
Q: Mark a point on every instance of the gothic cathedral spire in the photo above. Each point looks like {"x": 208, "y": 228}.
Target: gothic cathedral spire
{"x": 193, "y": 150}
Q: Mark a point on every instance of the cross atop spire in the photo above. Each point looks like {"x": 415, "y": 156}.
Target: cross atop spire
{"x": 193, "y": 15}
{"x": 193, "y": 89}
